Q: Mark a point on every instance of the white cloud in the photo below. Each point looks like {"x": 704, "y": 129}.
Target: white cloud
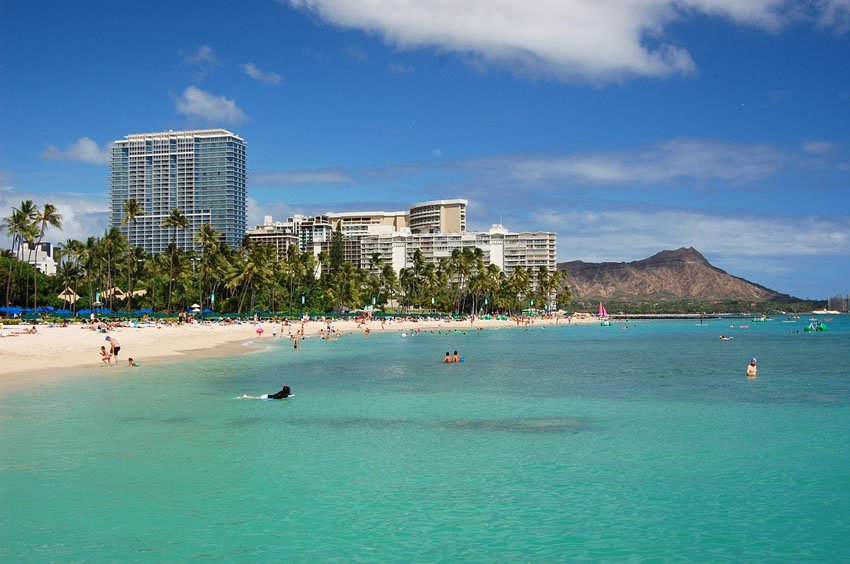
{"x": 290, "y": 177}
{"x": 820, "y": 147}
{"x": 83, "y": 150}
{"x": 203, "y": 56}
{"x": 437, "y": 153}
{"x": 195, "y": 102}
{"x": 257, "y": 211}
{"x": 204, "y": 60}
{"x": 672, "y": 160}
{"x": 834, "y": 14}
{"x": 630, "y": 234}
{"x": 595, "y": 40}
{"x": 260, "y": 75}
{"x": 83, "y": 215}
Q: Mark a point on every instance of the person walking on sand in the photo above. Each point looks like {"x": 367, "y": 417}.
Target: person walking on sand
{"x": 752, "y": 369}
{"x": 114, "y": 347}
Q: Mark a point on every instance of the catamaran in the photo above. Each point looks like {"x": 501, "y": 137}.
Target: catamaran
{"x": 603, "y": 315}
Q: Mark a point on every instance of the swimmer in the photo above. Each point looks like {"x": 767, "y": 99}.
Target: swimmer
{"x": 131, "y": 362}
{"x": 448, "y": 357}
{"x": 752, "y": 369}
{"x": 456, "y": 357}
{"x": 725, "y": 338}
{"x": 284, "y": 393}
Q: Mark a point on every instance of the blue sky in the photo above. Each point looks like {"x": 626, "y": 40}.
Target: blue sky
{"x": 625, "y": 127}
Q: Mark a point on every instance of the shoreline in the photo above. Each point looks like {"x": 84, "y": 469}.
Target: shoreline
{"x": 57, "y": 354}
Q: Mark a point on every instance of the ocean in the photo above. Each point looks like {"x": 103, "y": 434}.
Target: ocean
{"x": 546, "y": 444}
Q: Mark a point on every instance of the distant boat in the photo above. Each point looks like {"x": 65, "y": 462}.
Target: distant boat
{"x": 603, "y": 315}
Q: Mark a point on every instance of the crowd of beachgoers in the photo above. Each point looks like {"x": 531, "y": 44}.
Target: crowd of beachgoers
{"x": 51, "y": 349}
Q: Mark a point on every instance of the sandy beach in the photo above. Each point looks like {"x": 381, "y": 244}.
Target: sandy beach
{"x": 55, "y": 353}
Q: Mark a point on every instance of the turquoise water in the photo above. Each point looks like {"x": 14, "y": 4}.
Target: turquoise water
{"x": 553, "y": 444}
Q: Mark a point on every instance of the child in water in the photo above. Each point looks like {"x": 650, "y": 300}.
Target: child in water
{"x": 105, "y": 357}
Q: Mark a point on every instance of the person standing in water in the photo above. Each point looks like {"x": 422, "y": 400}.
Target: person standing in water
{"x": 448, "y": 357}
{"x": 114, "y": 347}
{"x": 752, "y": 369}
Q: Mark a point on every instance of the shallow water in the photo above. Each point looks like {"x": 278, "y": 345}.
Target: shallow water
{"x": 562, "y": 443}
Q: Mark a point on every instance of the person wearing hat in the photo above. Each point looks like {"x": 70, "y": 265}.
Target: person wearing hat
{"x": 114, "y": 347}
{"x": 752, "y": 369}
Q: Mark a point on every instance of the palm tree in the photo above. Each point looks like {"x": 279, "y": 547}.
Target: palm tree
{"x": 89, "y": 258}
{"x": 29, "y": 236}
{"x": 15, "y": 225}
{"x": 71, "y": 253}
{"x": 210, "y": 242}
{"x": 389, "y": 283}
{"x": 49, "y": 216}
{"x": 19, "y": 227}
{"x": 519, "y": 284}
{"x": 251, "y": 267}
{"x": 111, "y": 249}
{"x": 132, "y": 210}
{"x": 176, "y": 219}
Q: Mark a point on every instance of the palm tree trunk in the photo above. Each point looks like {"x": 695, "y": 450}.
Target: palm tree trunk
{"x": 9, "y": 279}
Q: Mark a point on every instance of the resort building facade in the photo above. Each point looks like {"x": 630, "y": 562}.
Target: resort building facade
{"x": 435, "y": 229}
{"x": 500, "y": 247}
{"x": 438, "y": 216}
{"x": 199, "y": 172}
{"x": 40, "y": 255}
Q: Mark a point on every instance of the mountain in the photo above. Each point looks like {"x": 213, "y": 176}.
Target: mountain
{"x": 683, "y": 274}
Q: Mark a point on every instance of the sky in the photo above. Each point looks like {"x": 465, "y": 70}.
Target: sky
{"x": 625, "y": 126}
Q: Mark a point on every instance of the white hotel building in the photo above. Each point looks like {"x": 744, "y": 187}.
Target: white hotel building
{"x": 435, "y": 228}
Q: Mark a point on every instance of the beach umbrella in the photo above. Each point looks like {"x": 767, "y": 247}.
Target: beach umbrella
{"x": 207, "y": 310}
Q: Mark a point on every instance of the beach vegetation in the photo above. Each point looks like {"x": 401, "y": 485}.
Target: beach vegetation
{"x": 256, "y": 278}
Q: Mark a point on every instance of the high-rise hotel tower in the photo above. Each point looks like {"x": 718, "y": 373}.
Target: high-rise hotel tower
{"x": 199, "y": 172}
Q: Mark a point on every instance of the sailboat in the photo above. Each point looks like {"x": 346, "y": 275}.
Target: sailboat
{"x": 603, "y": 315}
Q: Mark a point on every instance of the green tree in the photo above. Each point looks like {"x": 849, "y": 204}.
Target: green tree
{"x": 177, "y": 220}
{"x": 132, "y": 211}
{"x": 337, "y": 251}
{"x": 18, "y": 225}
{"x": 49, "y": 216}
